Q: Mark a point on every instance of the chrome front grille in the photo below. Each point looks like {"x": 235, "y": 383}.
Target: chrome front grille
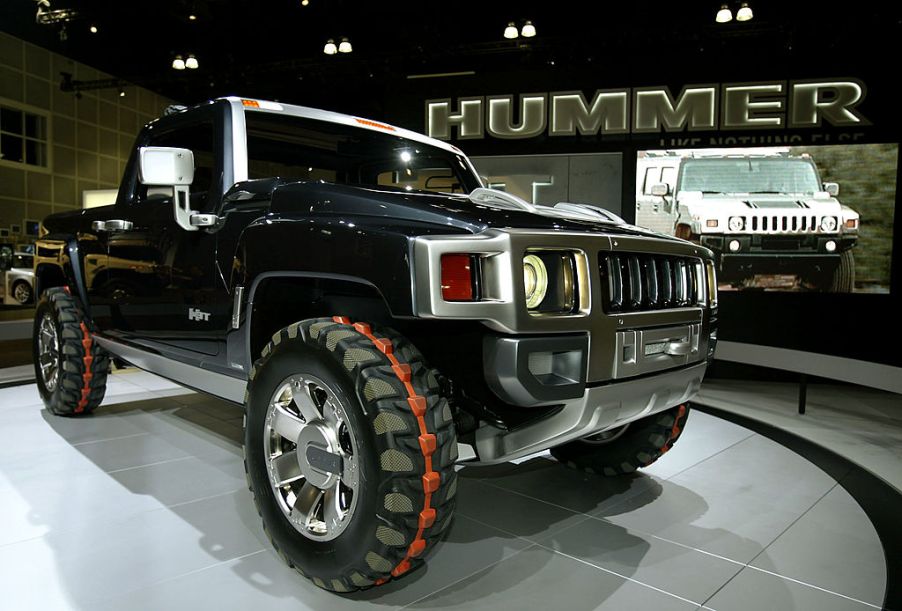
{"x": 781, "y": 223}
{"x": 634, "y": 282}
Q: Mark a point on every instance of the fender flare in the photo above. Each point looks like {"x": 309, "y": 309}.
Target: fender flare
{"x": 70, "y": 265}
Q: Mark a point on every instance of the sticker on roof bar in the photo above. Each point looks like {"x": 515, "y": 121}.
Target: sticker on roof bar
{"x": 369, "y": 123}
{"x": 261, "y": 104}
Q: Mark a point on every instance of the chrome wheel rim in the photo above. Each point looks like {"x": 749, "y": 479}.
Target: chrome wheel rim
{"x": 606, "y": 436}
{"x": 311, "y": 457}
{"x": 22, "y": 293}
{"x": 48, "y": 352}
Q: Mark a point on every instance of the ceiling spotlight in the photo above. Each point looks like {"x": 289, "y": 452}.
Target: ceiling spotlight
{"x": 528, "y": 30}
{"x": 192, "y": 17}
{"x": 345, "y": 46}
{"x": 305, "y": 2}
{"x": 724, "y": 14}
{"x": 191, "y": 62}
{"x": 178, "y": 63}
{"x": 510, "y": 32}
{"x": 330, "y": 48}
{"x": 121, "y": 92}
{"x": 93, "y": 28}
{"x": 744, "y": 13}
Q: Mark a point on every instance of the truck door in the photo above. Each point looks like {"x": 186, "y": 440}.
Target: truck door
{"x": 163, "y": 280}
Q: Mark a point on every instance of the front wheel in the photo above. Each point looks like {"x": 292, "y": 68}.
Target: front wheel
{"x": 627, "y": 448}
{"x": 70, "y": 368}
{"x": 349, "y": 451}
{"x": 844, "y": 274}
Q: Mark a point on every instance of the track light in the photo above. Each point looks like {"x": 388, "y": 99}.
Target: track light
{"x": 510, "y": 32}
{"x": 528, "y": 30}
{"x": 191, "y": 62}
{"x": 330, "y": 48}
{"x": 178, "y": 63}
{"x": 724, "y": 14}
{"x": 744, "y": 13}
{"x": 121, "y": 92}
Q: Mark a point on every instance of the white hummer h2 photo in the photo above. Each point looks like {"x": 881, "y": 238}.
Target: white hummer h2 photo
{"x": 762, "y": 213}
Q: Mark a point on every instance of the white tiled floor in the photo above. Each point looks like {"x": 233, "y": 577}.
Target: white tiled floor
{"x": 861, "y": 424}
{"x": 144, "y": 506}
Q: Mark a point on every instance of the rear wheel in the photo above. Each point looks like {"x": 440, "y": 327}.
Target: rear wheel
{"x": 349, "y": 451}
{"x": 627, "y": 448}
{"x": 70, "y": 368}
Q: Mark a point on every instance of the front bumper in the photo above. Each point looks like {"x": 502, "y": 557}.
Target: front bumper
{"x": 598, "y": 408}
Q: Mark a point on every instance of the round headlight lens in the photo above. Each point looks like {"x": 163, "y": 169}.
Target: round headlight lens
{"x": 737, "y": 223}
{"x": 535, "y": 280}
{"x": 828, "y": 223}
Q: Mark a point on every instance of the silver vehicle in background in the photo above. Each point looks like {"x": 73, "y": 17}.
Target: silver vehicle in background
{"x": 18, "y": 280}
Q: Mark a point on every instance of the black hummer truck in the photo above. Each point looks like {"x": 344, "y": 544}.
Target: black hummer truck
{"x": 375, "y": 309}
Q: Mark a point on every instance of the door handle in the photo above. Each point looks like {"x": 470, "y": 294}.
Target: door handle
{"x": 677, "y": 348}
{"x": 112, "y": 225}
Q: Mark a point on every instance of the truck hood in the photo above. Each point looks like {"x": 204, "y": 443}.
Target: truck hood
{"x": 453, "y": 213}
{"x": 761, "y": 204}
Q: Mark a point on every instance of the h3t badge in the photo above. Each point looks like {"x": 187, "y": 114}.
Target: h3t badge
{"x": 198, "y": 315}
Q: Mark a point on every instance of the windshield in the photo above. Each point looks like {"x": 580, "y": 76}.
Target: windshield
{"x": 749, "y": 175}
{"x": 308, "y": 149}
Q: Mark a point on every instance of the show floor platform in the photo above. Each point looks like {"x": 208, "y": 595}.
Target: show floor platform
{"x": 144, "y": 506}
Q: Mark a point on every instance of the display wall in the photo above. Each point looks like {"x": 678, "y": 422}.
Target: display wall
{"x": 853, "y": 143}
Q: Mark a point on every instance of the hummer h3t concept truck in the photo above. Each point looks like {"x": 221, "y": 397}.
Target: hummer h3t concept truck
{"x": 374, "y": 308}
{"x": 761, "y": 213}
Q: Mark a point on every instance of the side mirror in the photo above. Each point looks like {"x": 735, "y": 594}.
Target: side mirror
{"x": 832, "y": 188}
{"x": 161, "y": 166}
{"x": 660, "y": 189}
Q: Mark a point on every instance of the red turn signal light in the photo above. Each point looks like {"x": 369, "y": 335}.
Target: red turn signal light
{"x": 457, "y": 277}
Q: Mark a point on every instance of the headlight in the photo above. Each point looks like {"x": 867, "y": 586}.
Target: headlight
{"x": 737, "y": 223}
{"x": 828, "y": 223}
{"x": 535, "y": 280}
{"x": 549, "y": 282}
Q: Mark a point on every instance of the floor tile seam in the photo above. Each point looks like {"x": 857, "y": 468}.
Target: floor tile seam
{"x": 532, "y": 498}
{"x": 176, "y": 577}
{"x": 645, "y": 533}
{"x": 93, "y": 441}
{"x": 465, "y": 577}
{"x": 151, "y": 464}
{"x": 515, "y": 535}
{"x": 624, "y": 577}
{"x": 707, "y": 458}
{"x": 621, "y": 501}
{"x": 812, "y": 586}
{"x": 794, "y": 522}
{"x": 129, "y": 516}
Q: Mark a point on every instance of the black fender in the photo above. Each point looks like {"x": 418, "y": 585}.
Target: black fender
{"x": 58, "y": 262}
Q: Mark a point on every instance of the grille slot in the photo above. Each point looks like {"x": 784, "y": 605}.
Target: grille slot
{"x": 641, "y": 282}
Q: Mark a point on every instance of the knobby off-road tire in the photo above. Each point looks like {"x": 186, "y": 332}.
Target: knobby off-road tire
{"x": 70, "y": 368}
{"x": 642, "y": 443}
{"x": 405, "y": 448}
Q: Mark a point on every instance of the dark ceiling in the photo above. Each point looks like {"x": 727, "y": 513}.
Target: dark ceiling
{"x": 273, "y": 48}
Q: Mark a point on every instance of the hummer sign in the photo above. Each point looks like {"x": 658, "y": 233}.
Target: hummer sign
{"x": 738, "y": 106}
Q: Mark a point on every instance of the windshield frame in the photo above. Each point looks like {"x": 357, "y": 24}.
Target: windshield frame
{"x": 469, "y": 177}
